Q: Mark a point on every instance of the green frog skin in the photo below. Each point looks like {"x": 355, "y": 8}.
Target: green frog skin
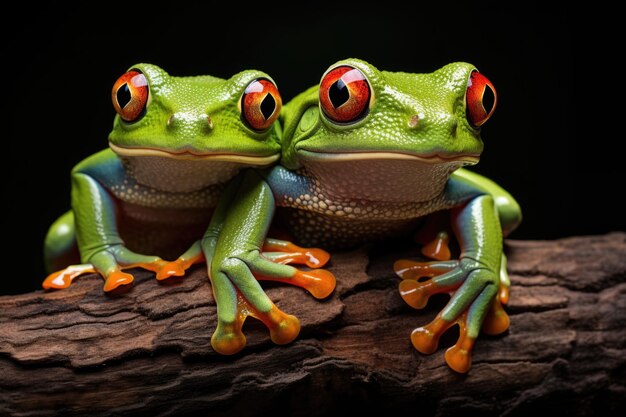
{"x": 176, "y": 143}
{"x": 370, "y": 154}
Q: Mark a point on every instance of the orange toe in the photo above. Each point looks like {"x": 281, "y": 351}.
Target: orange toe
{"x": 117, "y": 278}
{"x": 459, "y": 356}
{"x": 284, "y": 328}
{"x": 415, "y": 293}
{"x": 292, "y": 253}
{"x": 424, "y": 340}
{"x": 497, "y": 320}
{"x": 438, "y": 248}
{"x": 313, "y": 258}
{"x": 316, "y": 258}
{"x": 319, "y": 282}
{"x": 228, "y": 339}
{"x": 459, "y": 359}
{"x": 57, "y": 280}
{"x": 63, "y": 278}
{"x": 171, "y": 269}
{"x": 408, "y": 269}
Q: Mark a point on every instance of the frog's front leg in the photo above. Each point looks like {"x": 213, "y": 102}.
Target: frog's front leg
{"x": 236, "y": 265}
{"x": 100, "y": 246}
{"x": 474, "y": 281}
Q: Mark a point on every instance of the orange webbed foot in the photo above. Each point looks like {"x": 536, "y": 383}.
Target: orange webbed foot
{"x": 414, "y": 289}
{"x": 228, "y": 338}
{"x": 474, "y": 304}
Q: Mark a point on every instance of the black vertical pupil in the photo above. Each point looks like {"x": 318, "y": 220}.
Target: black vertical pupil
{"x": 338, "y": 93}
{"x": 268, "y": 105}
{"x": 489, "y": 99}
{"x": 123, "y": 96}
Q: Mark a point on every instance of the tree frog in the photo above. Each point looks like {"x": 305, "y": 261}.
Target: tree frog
{"x": 371, "y": 154}
{"x": 176, "y": 143}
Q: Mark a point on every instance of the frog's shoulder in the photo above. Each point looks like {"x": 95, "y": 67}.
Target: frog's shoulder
{"x": 286, "y": 183}
{"x": 103, "y": 158}
{"x": 104, "y": 166}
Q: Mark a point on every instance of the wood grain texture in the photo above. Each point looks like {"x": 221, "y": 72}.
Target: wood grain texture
{"x": 80, "y": 352}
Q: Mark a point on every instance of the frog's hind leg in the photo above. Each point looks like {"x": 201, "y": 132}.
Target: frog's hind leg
{"x": 60, "y": 248}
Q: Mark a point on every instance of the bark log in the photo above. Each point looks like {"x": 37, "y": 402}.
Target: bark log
{"x": 147, "y": 352}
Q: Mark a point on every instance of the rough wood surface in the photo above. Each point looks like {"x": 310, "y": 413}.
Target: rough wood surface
{"x": 147, "y": 352}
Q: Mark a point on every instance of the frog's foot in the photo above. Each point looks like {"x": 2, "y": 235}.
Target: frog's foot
{"x": 474, "y": 304}
{"x": 111, "y": 261}
{"x": 114, "y": 277}
{"x": 414, "y": 289}
{"x": 426, "y": 340}
{"x": 63, "y": 278}
{"x": 458, "y": 357}
{"x": 319, "y": 282}
{"x": 284, "y": 252}
{"x": 239, "y": 295}
{"x": 229, "y": 339}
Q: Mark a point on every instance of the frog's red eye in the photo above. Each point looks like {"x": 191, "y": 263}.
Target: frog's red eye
{"x": 260, "y": 104}
{"x": 345, "y": 94}
{"x": 480, "y": 98}
{"x": 130, "y": 95}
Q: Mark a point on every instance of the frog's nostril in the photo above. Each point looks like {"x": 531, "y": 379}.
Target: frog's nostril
{"x": 209, "y": 122}
{"x": 170, "y": 120}
{"x": 414, "y": 121}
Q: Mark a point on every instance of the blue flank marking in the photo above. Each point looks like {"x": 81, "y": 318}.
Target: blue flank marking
{"x": 287, "y": 183}
{"x": 459, "y": 191}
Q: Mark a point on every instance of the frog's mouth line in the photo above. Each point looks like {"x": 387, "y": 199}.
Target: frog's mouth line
{"x": 192, "y": 156}
{"x": 362, "y": 156}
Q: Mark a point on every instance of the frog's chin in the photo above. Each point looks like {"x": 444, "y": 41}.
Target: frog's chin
{"x": 187, "y": 155}
{"x": 390, "y": 176}
{"x": 463, "y": 159}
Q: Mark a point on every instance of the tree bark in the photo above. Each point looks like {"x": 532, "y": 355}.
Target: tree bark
{"x": 147, "y": 351}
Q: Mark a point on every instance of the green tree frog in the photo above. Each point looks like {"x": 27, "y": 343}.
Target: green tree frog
{"x": 368, "y": 155}
{"x": 176, "y": 143}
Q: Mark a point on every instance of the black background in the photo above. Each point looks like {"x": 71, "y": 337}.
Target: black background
{"x": 60, "y": 64}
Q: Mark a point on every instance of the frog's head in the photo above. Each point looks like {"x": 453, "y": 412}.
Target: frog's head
{"x": 416, "y": 128}
{"x": 205, "y": 126}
